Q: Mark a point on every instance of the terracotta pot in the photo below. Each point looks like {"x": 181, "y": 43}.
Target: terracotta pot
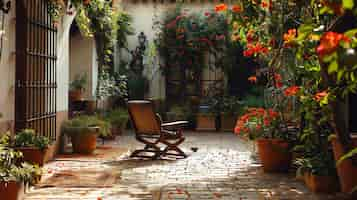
{"x": 228, "y": 122}
{"x": 76, "y": 95}
{"x": 345, "y": 169}
{"x": 33, "y": 155}
{"x": 321, "y": 184}
{"x": 274, "y": 154}
{"x": 84, "y": 143}
{"x": 206, "y": 122}
{"x": 9, "y": 190}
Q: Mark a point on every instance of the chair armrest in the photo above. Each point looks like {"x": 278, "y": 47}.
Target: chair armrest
{"x": 175, "y": 125}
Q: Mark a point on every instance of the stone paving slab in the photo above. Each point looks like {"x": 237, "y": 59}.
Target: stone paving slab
{"x": 222, "y": 168}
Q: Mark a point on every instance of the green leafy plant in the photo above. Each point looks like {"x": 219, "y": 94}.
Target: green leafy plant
{"x": 29, "y": 138}
{"x": 319, "y": 164}
{"x": 84, "y": 124}
{"x": 117, "y": 117}
{"x": 11, "y": 169}
{"x": 111, "y": 86}
{"x": 79, "y": 82}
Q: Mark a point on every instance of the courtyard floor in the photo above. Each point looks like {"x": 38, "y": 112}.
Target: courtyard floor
{"x": 222, "y": 168}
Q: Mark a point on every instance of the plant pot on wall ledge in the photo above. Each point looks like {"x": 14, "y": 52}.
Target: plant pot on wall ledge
{"x": 274, "y": 155}
{"x": 9, "y": 190}
{"x": 206, "y": 122}
{"x": 346, "y": 170}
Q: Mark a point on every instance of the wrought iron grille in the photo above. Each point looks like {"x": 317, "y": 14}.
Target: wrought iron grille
{"x": 36, "y": 50}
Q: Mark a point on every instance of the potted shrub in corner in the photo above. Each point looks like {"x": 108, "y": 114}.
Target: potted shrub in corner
{"x": 83, "y": 131}
{"x": 77, "y": 87}
{"x": 13, "y": 173}
{"x": 32, "y": 146}
{"x": 266, "y": 128}
{"x": 318, "y": 172}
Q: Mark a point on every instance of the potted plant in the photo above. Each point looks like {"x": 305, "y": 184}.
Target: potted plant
{"x": 32, "y": 146}
{"x": 77, "y": 87}
{"x": 13, "y": 173}
{"x": 118, "y": 120}
{"x": 345, "y": 165}
{"x": 83, "y": 131}
{"x": 229, "y": 111}
{"x": 318, "y": 172}
{"x": 265, "y": 126}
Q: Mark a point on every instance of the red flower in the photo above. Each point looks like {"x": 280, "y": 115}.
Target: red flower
{"x": 264, "y": 4}
{"x": 329, "y": 43}
{"x": 236, "y": 8}
{"x": 252, "y": 79}
{"x": 278, "y": 84}
{"x": 291, "y": 91}
{"x": 221, "y": 7}
{"x": 320, "y": 95}
{"x": 277, "y": 77}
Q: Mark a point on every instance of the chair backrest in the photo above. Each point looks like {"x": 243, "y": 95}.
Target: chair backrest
{"x": 143, "y": 117}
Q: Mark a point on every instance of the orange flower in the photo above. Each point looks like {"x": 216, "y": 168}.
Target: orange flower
{"x": 253, "y": 79}
{"x": 320, "y": 95}
{"x": 329, "y": 43}
{"x": 289, "y": 37}
{"x": 236, "y": 9}
{"x": 264, "y": 4}
{"x": 221, "y": 7}
{"x": 291, "y": 91}
{"x": 277, "y": 77}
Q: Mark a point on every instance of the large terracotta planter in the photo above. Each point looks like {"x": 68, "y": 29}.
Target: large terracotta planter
{"x": 321, "y": 184}
{"x": 33, "y": 155}
{"x": 228, "y": 122}
{"x": 9, "y": 190}
{"x": 274, "y": 155}
{"x": 76, "y": 95}
{"x": 206, "y": 122}
{"x": 346, "y": 171}
{"x": 85, "y": 143}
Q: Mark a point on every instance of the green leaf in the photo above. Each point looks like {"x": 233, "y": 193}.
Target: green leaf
{"x": 333, "y": 67}
{"x": 351, "y": 33}
{"x": 347, "y": 155}
{"x": 347, "y": 4}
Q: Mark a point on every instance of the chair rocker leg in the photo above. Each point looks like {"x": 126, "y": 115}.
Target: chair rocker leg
{"x": 173, "y": 146}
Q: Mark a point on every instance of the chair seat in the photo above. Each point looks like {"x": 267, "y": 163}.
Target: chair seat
{"x": 172, "y": 125}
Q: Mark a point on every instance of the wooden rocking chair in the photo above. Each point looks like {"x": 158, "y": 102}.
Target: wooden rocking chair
{"x": 152, "y": 132}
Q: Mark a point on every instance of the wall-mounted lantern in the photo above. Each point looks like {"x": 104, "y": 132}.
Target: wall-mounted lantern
{"x": 5, "y": 6}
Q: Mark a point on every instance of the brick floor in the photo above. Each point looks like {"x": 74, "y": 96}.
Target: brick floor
{"x": 222, "y": 168}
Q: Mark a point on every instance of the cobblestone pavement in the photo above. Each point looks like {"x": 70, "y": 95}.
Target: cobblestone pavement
{"x": 222, "y": 168}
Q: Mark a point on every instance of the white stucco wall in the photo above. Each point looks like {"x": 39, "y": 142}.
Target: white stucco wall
{"x": 143, "y": 15}
{"x": 7, "y": 67}
{"x": 83, "y": 60}
{"x": 63, "y": 62}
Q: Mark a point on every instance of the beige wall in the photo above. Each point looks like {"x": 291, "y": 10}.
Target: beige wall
{"x": 83, "y": 60}
{"x": 7, "y": 68}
